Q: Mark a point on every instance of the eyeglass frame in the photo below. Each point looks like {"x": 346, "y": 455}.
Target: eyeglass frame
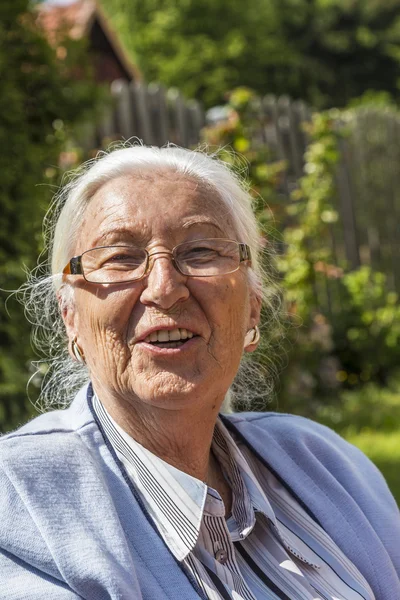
{"x": 74, "y": 265}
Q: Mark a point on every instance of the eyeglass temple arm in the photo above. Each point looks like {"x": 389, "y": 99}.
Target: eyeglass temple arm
{"x": 244, "y": 252}
{"x": 74, "y": 267}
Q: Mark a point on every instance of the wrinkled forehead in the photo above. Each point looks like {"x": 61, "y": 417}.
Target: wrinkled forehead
{"x": 142, "y": 202}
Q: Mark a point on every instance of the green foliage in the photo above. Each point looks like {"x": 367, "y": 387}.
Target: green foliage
{"x": 370, "y": 407}
{"x": 374, "y": 99}
{"x": 348, "y": 319}
{"x": 325, "y": 52}
{"x": 308, "y": 256}
{"x": 202, "y": 47}
{"x": 308, "y": 273}
{"x": 369, "y": 418}
{"x": 384, "y": 450}
{"x": 369, "y": 327}
{"x": 39, "y": 104}
{"x": 238, "y": 142}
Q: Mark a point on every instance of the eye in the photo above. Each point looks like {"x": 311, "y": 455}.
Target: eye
{"x": 199, "y": 253}
{"x": 114, "y": 257}
{"x": 125, "y": 256}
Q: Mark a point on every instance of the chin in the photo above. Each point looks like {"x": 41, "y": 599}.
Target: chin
{"x": 167, "y": 390}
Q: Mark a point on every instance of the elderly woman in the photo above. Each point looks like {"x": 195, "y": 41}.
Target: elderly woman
{"x": 139, "y": 490}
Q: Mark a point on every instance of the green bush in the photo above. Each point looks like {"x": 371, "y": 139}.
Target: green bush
{"x": 238, "y": 142}
{"x": 346, "y": 319}
{"x": 369, "y": 327}
{"x": 369, "y": 418}
{"x": 383, "y": 448}
{"x": 40, "y": 104}
{"x": 325, "y": 52}
{"x": 370, "y": 407}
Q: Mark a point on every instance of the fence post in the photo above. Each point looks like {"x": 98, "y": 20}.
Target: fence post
{"x": 142, "y": 113}
{"x": 196, "y": 119}
{"x": 124, "y": 111}
{"x": 159, "y": 114}
{"x": 273, "y": 134}
{"x": 178, "y": 110}
{"x": 296, "y": 154}
{"x": 347, "y": 207}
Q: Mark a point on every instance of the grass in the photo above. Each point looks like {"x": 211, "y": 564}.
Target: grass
{"x": 369, "y": 418}
{"x": 383, "y": 448}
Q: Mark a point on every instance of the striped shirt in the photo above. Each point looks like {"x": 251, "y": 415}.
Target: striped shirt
{"x": 268, "y": 549}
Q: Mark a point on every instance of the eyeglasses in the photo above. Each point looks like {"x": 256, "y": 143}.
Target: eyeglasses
{"x": 121, "y": 264}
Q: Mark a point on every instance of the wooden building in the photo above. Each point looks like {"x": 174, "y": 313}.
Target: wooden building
{"x": 85, "y": 20}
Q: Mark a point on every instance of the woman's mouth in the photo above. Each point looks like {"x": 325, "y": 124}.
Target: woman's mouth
{"x": 173, "y": 338}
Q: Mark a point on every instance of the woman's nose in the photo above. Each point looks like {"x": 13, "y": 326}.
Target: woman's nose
{"x": 164, "y": 285}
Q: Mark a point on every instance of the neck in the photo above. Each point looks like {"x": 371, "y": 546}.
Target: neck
{"x": 181, "y": 438}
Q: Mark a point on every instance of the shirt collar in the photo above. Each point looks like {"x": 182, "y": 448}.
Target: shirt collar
{"x": 174, "y": 499}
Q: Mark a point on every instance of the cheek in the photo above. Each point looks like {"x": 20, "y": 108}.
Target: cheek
{"x": 106, "y": 320}
{"x": 228, "y": 307}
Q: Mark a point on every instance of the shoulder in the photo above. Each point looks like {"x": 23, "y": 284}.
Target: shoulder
{"x": 39, "y": 451}
{"x": 46, "y": 467}
{"x": 73, "y": 418}
{"x": 311, "y": 452}
{"x": 289, "y": 430}
{"x": 299, "y": 437}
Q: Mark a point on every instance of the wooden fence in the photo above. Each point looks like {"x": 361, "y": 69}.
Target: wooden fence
{"x": 156, "y": 116}
{"x": 368, "y": 176}
{"x": 368, "y": 183}
{"x": 152, "y": 114}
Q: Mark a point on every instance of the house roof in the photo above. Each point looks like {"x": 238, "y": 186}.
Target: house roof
{"x": 75, "y": 21}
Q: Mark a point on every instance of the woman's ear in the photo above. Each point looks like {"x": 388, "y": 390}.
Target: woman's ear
{"x": 67, "y": 309}
{"x": 69, "y": 315}
{"x": 253, "y": 334}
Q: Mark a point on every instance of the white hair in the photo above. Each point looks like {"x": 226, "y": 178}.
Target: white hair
{"x": 61, "y": 229}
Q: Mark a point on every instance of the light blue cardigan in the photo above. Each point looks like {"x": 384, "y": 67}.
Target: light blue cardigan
{"x": 71, "y": 525}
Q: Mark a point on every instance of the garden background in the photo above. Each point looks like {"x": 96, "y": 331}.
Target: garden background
{"x": 303, "y": 97}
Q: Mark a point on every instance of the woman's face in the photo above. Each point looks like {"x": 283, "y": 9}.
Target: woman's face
{"x": 111, "y": 322}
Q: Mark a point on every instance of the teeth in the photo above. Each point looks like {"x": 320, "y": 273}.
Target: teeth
{"x": 165, "y": 336}
{"x": 174, "y": 335}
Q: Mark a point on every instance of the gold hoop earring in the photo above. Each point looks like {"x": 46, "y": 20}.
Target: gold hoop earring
{"x": 252, "y": 337}
{"x": 77, "y": 352}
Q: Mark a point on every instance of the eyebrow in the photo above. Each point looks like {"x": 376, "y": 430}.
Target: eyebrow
{"x": 200, "y": 221}
{"x": 124, "y": 235}
{"x": 140, "y": 240}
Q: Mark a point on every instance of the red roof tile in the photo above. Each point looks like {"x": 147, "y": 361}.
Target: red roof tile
{"x": 72, "y": 20}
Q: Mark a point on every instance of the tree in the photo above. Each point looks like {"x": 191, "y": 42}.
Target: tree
{"x": 38, "y": 104}
{"x": 323, "y": 51}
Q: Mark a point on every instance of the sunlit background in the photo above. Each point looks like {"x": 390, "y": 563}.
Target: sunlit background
{"x": 303, "y": 97}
